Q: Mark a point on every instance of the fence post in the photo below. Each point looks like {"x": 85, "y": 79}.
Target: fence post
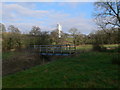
{"x": 40, "y": 48}
{"x": 61, "y": 49}
{"x": 53, "y": 49}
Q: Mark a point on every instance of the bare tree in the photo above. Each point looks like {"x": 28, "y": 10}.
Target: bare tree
{"x": 35, "y": 31}
{"x": 14, "y": 40}
{"x": 14, "y": 29}
{"x": 107, "y": 15}
{"x": 74, "y": 32}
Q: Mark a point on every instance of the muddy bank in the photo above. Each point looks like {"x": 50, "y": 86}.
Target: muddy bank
{"x": 23, "y": 60}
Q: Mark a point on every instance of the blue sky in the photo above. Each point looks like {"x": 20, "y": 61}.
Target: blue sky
{"x": 46, "y": 15}
{"x": 71, "y": 8}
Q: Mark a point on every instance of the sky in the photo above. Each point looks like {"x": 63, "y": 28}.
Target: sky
{"x": 46, "y": 15}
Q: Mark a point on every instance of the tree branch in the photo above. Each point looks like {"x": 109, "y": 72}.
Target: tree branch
{"x": 111, "y": 8}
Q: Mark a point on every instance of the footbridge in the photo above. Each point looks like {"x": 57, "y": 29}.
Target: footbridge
{"x": 55, "y": 49}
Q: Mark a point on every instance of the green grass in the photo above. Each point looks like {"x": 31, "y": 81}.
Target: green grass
{"x": 84, "y": 47}
{"x": 111, "y": 45}
{"x": 89, "y": 47}
{"x": 6, "y": 55}
{"x": 90, "y": 69}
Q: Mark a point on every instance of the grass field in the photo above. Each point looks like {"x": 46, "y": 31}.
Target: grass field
{"x": 111, "y": 45}
{"x": 84, "y": 47}
{"x": 85, "y": 70}
{"x": 88, "y": 46}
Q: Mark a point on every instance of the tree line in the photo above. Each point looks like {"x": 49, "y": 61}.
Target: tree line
{"x": 106, "y": 16}
{"x": 12, "y": 38}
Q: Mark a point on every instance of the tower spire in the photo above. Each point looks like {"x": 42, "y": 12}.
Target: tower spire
{"x": 59, "y": 28}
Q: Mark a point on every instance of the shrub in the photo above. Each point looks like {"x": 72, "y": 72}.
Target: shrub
{"x": 116, "y": 59}
{"x": 97, "y": 47}
{"x": 118, "y": 49}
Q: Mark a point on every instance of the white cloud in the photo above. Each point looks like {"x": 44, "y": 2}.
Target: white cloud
{"x": 79, "y": 22}
{"x": 70, "y": 4}
{"x": 25, "y": 17}
{"x": 16, "y": 12}
{"x": 27, "y": 4}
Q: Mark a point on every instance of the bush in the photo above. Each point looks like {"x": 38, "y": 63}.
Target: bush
{"x": 118, "y": 49}
{"x": 97, "y": 47}
{"x": 116, "y": 59}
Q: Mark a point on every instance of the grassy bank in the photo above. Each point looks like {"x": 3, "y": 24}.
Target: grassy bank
{"x": 89, "y": 47}
{"x": 111, "y": 45}
{"x": 6, "y": 55}
{"x": 90, "y": 69}
{"x": 84, "y": 47}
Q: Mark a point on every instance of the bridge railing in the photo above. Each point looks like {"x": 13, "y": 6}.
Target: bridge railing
{"x": 55, "y": 48}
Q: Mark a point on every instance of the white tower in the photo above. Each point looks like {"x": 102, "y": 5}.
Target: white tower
{"x": 59, "y": 28}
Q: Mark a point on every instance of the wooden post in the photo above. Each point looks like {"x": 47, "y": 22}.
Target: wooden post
{"x": 70, "y": 49}
{"x": 47, "y": 49}
{"x": 75, "y": 48}
{"x": 53, "y": 49}
{"x": 40, "y": 48}
{"x": 61, "y": 48}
